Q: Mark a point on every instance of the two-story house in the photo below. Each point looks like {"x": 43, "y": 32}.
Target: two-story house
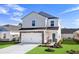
{"x": 39, "y": 27}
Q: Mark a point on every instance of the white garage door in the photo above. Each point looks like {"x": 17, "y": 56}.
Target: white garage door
{"x": 31, "y": 38}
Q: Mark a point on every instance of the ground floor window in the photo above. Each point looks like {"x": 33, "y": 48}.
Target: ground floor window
{"x": 4, "y": 36}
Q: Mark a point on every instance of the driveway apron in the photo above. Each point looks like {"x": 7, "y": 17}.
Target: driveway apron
{"x": 18, "y": 49}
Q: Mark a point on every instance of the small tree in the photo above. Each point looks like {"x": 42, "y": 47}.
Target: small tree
{"x": 48, "y": 43}
{"x": 76, "y": 37}
{"x": 58, "y": 44}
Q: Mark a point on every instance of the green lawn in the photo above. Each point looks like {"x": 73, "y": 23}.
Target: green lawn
{"x": 6, "y": 44}
{"x": 67, "y": 45}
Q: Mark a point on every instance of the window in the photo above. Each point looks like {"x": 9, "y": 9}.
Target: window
{"x": 33, "y": 23}
{"x": 52, "y": 23}
{"x": 4, "y": 36}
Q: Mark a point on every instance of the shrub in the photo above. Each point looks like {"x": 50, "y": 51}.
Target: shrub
{"x": 49, "y": 50}
{"x": 76, "y": 40}
{"x": 61, "y": 41}
{"x": 76, "y": 36}
{"x": 69, "y": 38}
{"x": 48, "y": 44}
{"x": 42, "y": 45}
{"x": 58, "y": 45}
{"x": 14, "y": 39}
{"x": 72, "y": 52}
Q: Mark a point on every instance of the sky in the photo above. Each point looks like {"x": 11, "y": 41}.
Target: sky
{"x": 68, "y": 13}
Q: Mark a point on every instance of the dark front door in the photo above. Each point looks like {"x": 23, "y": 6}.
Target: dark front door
{"x": 53, "y": 37}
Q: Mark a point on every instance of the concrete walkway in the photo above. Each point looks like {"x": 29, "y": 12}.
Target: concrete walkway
{"x": 18, "y": 49}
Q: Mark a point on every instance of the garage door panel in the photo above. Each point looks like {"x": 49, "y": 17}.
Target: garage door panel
{"x": 31, "y": 37}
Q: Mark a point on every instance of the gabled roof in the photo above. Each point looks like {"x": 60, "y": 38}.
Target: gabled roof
{"x": 9, "y": 28}
{"x": 3, "y": 29}
{"x": 47, "y": 15}
{"x": 44, "y": 14}
{"x": 68, "y": 30}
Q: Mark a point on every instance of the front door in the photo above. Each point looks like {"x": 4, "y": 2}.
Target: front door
{"x": 53, "y": 37}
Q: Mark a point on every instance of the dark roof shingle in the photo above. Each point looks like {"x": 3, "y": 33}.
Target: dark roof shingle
{"x": 68, "y": 31}
{"x": 47, "y": 15}
{"x": 9, "y": 28}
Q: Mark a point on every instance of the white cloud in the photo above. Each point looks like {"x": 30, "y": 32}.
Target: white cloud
{"x": 18, "y": 14}
{"x": 76, "y": 22}
{"x": 4, "y": 10}
{"x": 70, "y": 10}
{"x": 15, "y": 12}
{"x": 16, "y": 19}
{"x": 16, "y": 7}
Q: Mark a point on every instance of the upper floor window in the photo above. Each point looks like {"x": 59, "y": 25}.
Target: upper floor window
{"x": 52, "y": 23}
{"x": 33, "y": 22}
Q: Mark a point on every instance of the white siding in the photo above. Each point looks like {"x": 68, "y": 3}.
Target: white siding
{"x": 45, "y": 35}
{"x": 39, "y": 20}
{"x": 50, "y": 35}
{"x": 16, "y": 35}
{"x": 7, "y": 34}
{"x": 67, "y": 35}
{"x": 55, "y": 22}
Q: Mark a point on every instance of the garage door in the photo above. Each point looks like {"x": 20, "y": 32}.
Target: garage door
{"x": 31, "y": 37}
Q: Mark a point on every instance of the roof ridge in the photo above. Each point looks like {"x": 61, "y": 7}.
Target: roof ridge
{"x": 47, "y": 15}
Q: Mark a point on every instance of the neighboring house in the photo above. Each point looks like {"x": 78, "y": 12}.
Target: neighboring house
{"x": 76, "y": 35}
{"x": 39, "y": 27}
{"x": 68, "y": 32}
{"x": 4, "y": 34}
{"x": 9, "y": 32}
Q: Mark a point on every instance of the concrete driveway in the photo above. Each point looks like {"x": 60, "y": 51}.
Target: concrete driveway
{"x": 18, "y": 49}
